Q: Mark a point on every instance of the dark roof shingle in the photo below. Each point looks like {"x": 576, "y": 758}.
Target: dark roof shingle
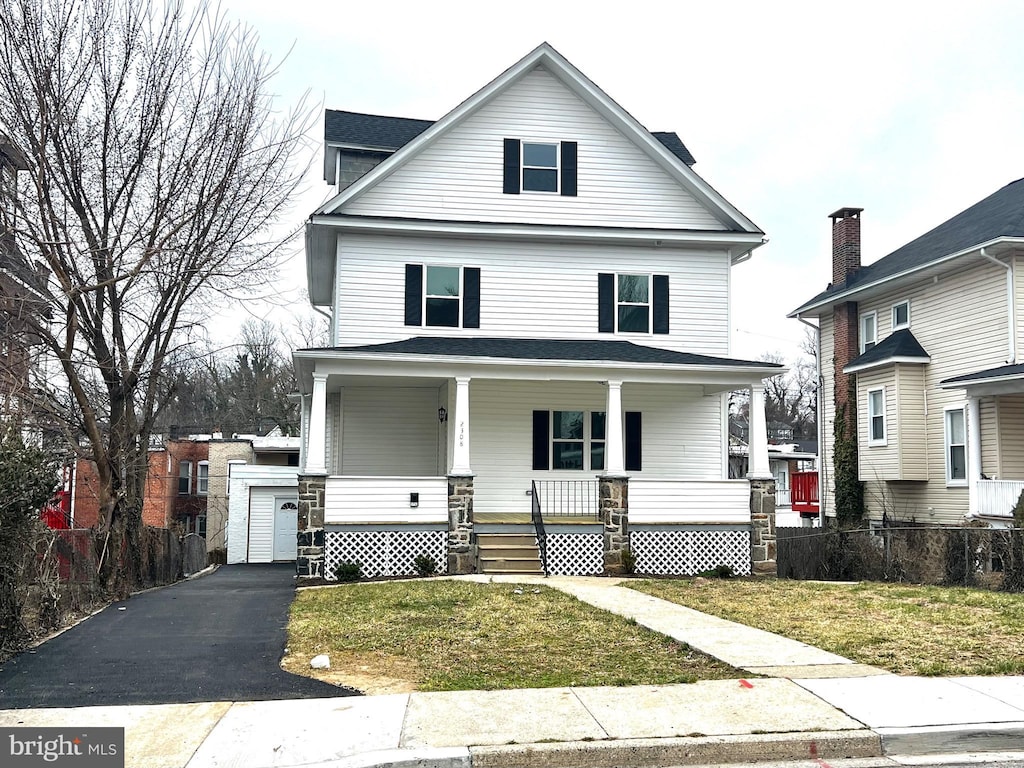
{"x": 393, "y": 133}
{"x": 1001, "y": 214}
{"x": 614, "y": 351}
{"x": 900, "y": 344}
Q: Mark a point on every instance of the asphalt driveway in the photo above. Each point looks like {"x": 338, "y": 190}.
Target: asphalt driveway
{"x": 216, "y": 638}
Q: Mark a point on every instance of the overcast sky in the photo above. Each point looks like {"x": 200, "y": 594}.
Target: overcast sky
{"x": 910, "y": 110}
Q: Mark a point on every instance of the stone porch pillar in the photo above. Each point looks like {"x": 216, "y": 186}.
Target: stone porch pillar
{"x": 613, "y": 494}
{"x": 461, "y": 544}
{"x": 309, "y": 561}
{"x": 762, "y": 524}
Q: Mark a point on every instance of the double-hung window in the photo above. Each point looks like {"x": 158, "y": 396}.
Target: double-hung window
{"x": 901, "y": 315}
{"x": 630, "y": 302}
{"x": 184, "y": 478}
{"x": 203, "y": 478}
{"x": 540, "y": 167}
{"x": 633, "y": 303}
{"x": 876, "y": 416}
{"x": 442, "y": 296}
{"x": 956, "y": 447}
{"x": 868, "y": 331}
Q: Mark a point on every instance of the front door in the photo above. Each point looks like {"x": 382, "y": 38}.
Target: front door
{"x": 286, "y": 527}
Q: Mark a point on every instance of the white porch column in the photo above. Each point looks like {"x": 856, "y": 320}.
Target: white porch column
{"x": 757, "y": 440}
{"x": 973, "y": 452}
{"x": 614, "y": 452}
{"x": 460, "y": 453}
{"x": 316, "y": 451}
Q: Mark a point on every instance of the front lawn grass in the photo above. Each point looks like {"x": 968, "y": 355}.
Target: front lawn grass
{"x": 439, "y": 635}
{"x": 906, "y": 629}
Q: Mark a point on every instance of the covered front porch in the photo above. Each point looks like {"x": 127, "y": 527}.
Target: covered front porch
{"x": 451, "y": 448}
{"x": 992, "y": 439}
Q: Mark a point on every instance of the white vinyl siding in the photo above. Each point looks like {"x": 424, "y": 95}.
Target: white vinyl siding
{"x": 261, "y": 525}
{"x": 682, "y": 434}
{"x": 910, "y": 430}
{"x": 878, "y": 459}
{"x": 529, "y": 290}
{"x": 1010, "y": 437}
{"x": 386, "y": 500}
{"x": 459, "y": 176}
{"x": 691, "y": 502}
{"x": 390, "y": 431}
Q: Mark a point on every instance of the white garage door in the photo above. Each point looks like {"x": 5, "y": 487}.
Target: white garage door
{"x": 273, "y": 524}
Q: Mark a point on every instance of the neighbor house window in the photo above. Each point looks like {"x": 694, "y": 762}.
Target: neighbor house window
{"x": 443, "y": 296}
{"x": 540, "y": 167}
{"x": 868, "y": 331}
{"x": 203, "y": 478}
{"x": 956, "y": 447}
{"x": 184, "y": 478}
{"x": 901, "y": 315}
{"x": 876, "y": 417}
{"x": 633, "y": 303}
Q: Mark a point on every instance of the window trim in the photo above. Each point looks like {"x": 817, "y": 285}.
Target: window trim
{"x": 899, "y": 326}
{"x": 557, "y": 168}
{"x": 587, "y": 440}
{"x": 947, "y": 445}
{"x": 203, "y": 478}
{"x": 862, "y": 336}
{"x": 884, "y": 439}
{"x": 649, "y": 303}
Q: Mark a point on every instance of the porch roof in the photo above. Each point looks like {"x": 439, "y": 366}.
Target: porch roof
{"x": 481, "y": 353}
{"x": 1002, "y": 380}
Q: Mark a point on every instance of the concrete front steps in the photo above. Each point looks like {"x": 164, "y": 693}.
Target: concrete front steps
{"x": 508, "y": 553}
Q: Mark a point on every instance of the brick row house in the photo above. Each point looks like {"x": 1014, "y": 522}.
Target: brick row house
{"x": 529, "y": 361}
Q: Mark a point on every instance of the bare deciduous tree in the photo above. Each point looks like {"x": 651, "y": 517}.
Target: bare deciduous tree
{"x": 156, "y": 171}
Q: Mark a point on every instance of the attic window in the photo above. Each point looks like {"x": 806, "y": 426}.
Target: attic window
{"x": 540, "y": 167}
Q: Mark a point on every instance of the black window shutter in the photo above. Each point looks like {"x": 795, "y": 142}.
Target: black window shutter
{"x": 471, "y": 297}
{"x": 541, "y": 440}
{"x": 512, "y": 167}
{"x": 634, "y": 440}
{"x": 413, "y": 294}
{"x": 606, "y": 303}
{"x": 660, "y": 309}
{"x": 569, "y": 168}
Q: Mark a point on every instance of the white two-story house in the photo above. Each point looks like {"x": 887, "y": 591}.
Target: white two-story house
{"x": 530, "y": 344}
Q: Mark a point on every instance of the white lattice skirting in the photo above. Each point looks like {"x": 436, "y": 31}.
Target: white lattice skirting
{"x": 575, "y": 554}
{"x": 686, "y": 553}
{"x": 384, "y": 553}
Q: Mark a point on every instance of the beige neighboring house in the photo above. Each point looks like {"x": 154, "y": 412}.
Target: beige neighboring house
{"x": 247, "y": 473}
{"x": 926, "y": 341}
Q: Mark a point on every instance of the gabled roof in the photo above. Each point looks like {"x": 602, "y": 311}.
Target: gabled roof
{"x": 898, "y": 347}
{"x": 357, "y": 130}
{"x": 546, "y": 56}
{"x": 612, "y": 351}
{"x": 997, "y": 217}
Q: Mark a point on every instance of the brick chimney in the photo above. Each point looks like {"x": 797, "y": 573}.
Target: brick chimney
{"x": 845, "y": 244}
{"x": 845, "y": 263}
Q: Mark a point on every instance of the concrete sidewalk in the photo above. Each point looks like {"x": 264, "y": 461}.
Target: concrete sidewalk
{"x": 814, "y": 706}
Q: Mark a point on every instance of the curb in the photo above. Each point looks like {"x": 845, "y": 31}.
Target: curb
{"x": 441, "y": 757}
{"x": 697, "y": 750}
{"x": 952, "y": 739}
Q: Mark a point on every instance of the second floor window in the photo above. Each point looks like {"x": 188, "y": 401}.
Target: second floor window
{"x": 185, "y": 478}
{"x": 901, "y": 315}
{"x": 632, "y": 303}
{"x": 633, "y": 308}
{"x": 203, "y": 478}
{"x": 442, "y": 296}
{"x": 868, "y": 331}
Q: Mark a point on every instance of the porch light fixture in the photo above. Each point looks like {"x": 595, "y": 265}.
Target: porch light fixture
{"x": 442, "y": 414}
{"x": 414, "y": 499}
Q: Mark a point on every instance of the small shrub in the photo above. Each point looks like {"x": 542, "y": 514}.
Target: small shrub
{"x": 348, "y": 571}
{"x": 722, "y": 571}
{"x": 628, "y": 561}
{"x": 425, "y": 565}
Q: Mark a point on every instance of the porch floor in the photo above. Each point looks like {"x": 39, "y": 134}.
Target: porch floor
{"x": 518, "y": 518}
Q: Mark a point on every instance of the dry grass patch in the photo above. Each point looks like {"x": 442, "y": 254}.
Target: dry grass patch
{"x": 909, "y": 630}
{"x": 435, "y": 635}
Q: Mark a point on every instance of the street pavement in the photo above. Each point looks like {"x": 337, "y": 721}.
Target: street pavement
{"x": 215, "y": 638}
{"x": 812, "y": 707}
